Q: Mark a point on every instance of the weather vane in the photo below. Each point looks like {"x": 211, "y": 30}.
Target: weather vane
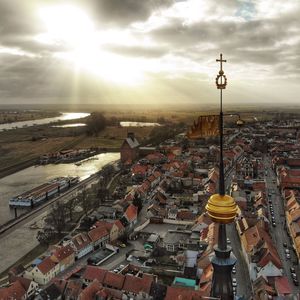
{"x": 221, "y": 80}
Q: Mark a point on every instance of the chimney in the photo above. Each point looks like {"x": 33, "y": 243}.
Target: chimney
{"x": 130, "y": 135}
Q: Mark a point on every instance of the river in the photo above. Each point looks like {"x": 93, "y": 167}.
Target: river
{"x": 63, "y": 117}
{"x": 31, "y": 177}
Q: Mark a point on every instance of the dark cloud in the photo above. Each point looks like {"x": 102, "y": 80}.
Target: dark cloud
{"x": 123, "y": 12}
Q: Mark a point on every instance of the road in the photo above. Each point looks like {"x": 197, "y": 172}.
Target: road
{"x": 244, "y": 287}
{"x": 279, "y": 233}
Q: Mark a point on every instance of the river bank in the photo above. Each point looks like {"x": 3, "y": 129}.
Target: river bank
{"x": 33, "y": 176}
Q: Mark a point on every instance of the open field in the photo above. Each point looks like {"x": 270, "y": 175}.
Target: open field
{"x": 24, "y": 145}
{"x": 9, "y": 116}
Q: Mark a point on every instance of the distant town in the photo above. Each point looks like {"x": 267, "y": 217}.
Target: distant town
{"x": 138, "y": 228}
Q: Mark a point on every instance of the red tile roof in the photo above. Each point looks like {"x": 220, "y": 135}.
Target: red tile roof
{"x": 119, "y": 224}
{"x": 62, "y": 253}
{"x": 179, "y": 293}
{"x": 114, "y": 280}
{"x": 135, "y": 284}
{"x": 282, "y": 286}
{"x": 46, "y": 265}
{"x": 81, "y": 240}
{"x": 104, "y": 224}
{"x": 131, "y": 212}
{"x": 97, "y": 233}
{"x": 15, "y": 292}
{"x": 91, "y": 291}
{"x": 139, "y": 169}
{"x": 92, "y": 272}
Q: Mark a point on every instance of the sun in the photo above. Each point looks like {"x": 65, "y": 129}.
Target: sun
{"x": 70, "y": 28}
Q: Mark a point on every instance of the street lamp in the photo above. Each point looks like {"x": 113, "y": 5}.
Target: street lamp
{"x": 222, "y": 209}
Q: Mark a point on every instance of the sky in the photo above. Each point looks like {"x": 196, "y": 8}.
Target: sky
{"x": 139, "y": 52}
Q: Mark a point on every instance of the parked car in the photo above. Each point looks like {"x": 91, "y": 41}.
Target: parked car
{"x": 296, "y": 282}
{"x": 284, "y": 245}
{"x": 288, "y": 256}
{"x": 234, "y": 283}
{"x": 130, "y": 258}
{"x": 294, "y": 276}
{"x": 286, "y": 251}
{"x": 292, "y": 269}
{"x": 233, "y": 270}
{"x": 228, "y": 241}
{"x": 273, "y": 224}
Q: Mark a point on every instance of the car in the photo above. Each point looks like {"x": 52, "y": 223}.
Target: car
{"x": 273, "y": 224}
{"x": 294, "y": 276}
{"x": 288, "y": 256}
{"x": 270, "y": 201}
{"x": 121, "y": 267}
{"x": 233, "y": 270}
{"x": 284, "y": 245}
{"x": 129, "y": 258}
{"x": 116, "y": 270}
{"x": 122, "y": 245}
{"x": 234, "y": 283}
{"x": 228, "y": 241}
{"x": 286, "y": 251}
{"x": 296, "y": 282}
{"x": 292, "y": 270}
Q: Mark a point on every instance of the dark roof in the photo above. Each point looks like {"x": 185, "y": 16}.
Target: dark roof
{"x": 51, "y": 292}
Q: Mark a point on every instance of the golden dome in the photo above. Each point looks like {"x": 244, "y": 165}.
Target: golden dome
{"x": 221, "y": 209}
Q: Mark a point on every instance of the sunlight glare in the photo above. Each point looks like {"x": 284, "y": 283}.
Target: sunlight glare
{"x": 66, "y": 23}
{"x": 69, "y": 26}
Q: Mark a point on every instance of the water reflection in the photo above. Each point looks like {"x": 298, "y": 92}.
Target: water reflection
{"x": 69, "y": 125}
{"x": 137, "y": 124}
{"x": 29, "y": 178}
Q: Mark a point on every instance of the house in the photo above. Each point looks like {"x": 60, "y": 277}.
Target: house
{"x": 50, "y": 292}
{"x": 93, "y": 272}
{"x": 131, "y": 215}
{"x": 13, "y": 291}
{"x": 174, "y": 292}
{"x": 174, "y": 241}
{"x": 44, "y": 271}
{"x": 129, "y": 149}
{"x": 136, "y": 285}
{"x": 114, "y": 280}
{"x": 64, "y": 256}
{"x": 117, "y": 230}
{"x": 172, "y": 213}
{"x": 99, "y": 237}
{"x": 82, "y": 245}
{"x": 29, "y": 285}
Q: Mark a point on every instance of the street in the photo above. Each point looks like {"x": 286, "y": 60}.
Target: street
{"x": 279, "y": 233}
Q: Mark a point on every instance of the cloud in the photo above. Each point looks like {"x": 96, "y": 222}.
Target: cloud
{"x": 174, "y": 43}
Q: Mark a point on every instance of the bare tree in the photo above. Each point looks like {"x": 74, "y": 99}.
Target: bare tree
{"x": 85, "y": 201}
{"x": 70, "y": 206}
{"x": 58, "y": 216}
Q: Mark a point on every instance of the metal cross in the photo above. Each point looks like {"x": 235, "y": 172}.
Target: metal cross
{"x": 221, "y": 61}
